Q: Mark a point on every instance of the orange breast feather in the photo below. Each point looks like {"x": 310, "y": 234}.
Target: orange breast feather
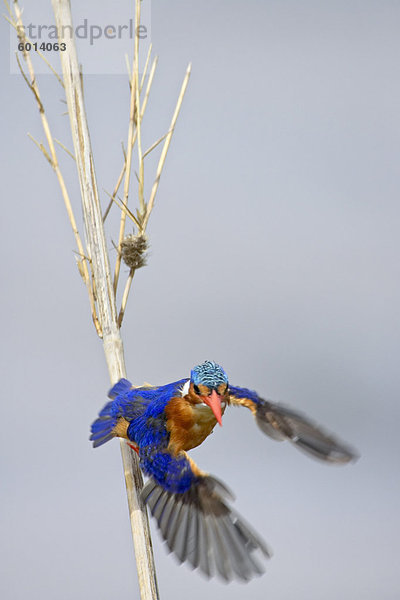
{"x": 188, "y": 425}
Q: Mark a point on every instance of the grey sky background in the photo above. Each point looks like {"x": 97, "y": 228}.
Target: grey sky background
{"x": 274, "y": 251}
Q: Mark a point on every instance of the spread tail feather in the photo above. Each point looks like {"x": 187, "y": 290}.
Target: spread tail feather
{"x": 103, "y": 428}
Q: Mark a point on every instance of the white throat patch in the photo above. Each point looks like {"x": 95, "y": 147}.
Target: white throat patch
{"x": 185, "y": 388}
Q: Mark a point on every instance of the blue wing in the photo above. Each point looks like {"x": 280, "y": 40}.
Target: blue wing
{"x": 189, "y": 505}
{"x": 132, "y": 404}
{"x": 192, "y": 515}
{"x": 283, "y": 423}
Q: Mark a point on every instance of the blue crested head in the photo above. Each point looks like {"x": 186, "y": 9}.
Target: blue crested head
{"x": 209, "y": 374}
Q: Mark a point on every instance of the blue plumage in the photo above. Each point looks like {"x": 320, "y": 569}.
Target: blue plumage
{"x": 145, "y": 411}
{"x": 138, "y": 406}
{"x": 173, "y": 473}
{"x": 162, "y": 423}
{"x": 209, "y": 374}
{"x": 244, "y": 393}
{"x": 121, "y": 388}
{"x": 149, "y": 431}
{"x": 102, "y": 428}
{"x": 144, "y": 408}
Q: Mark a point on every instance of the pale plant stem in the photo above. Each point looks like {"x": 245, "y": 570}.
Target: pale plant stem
{"x": 154, "y": 146}
{"x": 128, "y": 212}
{"x": 115, "y": 192}
{"x": 64, "y": 148}
{"x": 149, "y": 207}
{"x": 83, "y": 268}
{"x": 125, "y": 296}
{"x": 144, "y": 104}
{"x": 100, "y": 284}
{"x": 128, "y": 161}
{"x": 148, "y": 87}
{"x": 139, "y": 120}
{"x": 97, "y": 249}
{"x": 140, "y": 154}
{"x": 127, "y": 173}
{"x": 164, "y": 151}
{"x": 42, "y": 56}
{"x": 146, "y": 66}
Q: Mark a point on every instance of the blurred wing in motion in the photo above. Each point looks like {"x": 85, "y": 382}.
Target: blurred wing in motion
{"x": 282, "y": 423}
{"x": 199, "y": 527}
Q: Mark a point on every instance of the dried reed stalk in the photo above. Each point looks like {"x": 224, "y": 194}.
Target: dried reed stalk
{"x": 105, "y": 295}
{"x": 50, "y": 154}
{"x": 93, "y": 261}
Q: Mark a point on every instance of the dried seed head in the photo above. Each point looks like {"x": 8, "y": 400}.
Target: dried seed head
{"x": 133, "y": 250}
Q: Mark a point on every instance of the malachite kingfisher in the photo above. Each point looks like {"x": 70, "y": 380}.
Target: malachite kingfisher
{"x": 190, "y": 506}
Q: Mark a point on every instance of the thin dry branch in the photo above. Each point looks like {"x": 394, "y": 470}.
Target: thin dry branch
{"x": 154, "y": 146}
{"x": 148, "y": 87}
{"x": 144, "y": 104}
{"x": 122, "y": 207}
{"x": 115, "y": 192}
{"x": 125, "y": 296}
{"x": 133, "y": 116}
{"x": 146, "y": 66}
{"x": 101, "y": 287}
{"x": 97, "y": 250}
{"x": 41, "y": 148}
{"x": 142, "y": 206}
{"x": 164, "y": 151}
{"x": 64, "y": 148}
{"x": 145, "y": 209}
{"x": 51, "y": 155}
{"x": 12, "y": 22}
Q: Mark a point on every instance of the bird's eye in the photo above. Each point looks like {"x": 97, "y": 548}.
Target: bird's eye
{"x": 196, "y": 389}
{"x": 226, "y": 389}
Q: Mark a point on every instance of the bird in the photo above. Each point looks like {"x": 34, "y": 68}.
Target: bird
{"x": 193, "y": 508}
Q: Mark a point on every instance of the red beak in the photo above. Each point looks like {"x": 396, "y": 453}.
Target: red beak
{"x": 214, "y": 402}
